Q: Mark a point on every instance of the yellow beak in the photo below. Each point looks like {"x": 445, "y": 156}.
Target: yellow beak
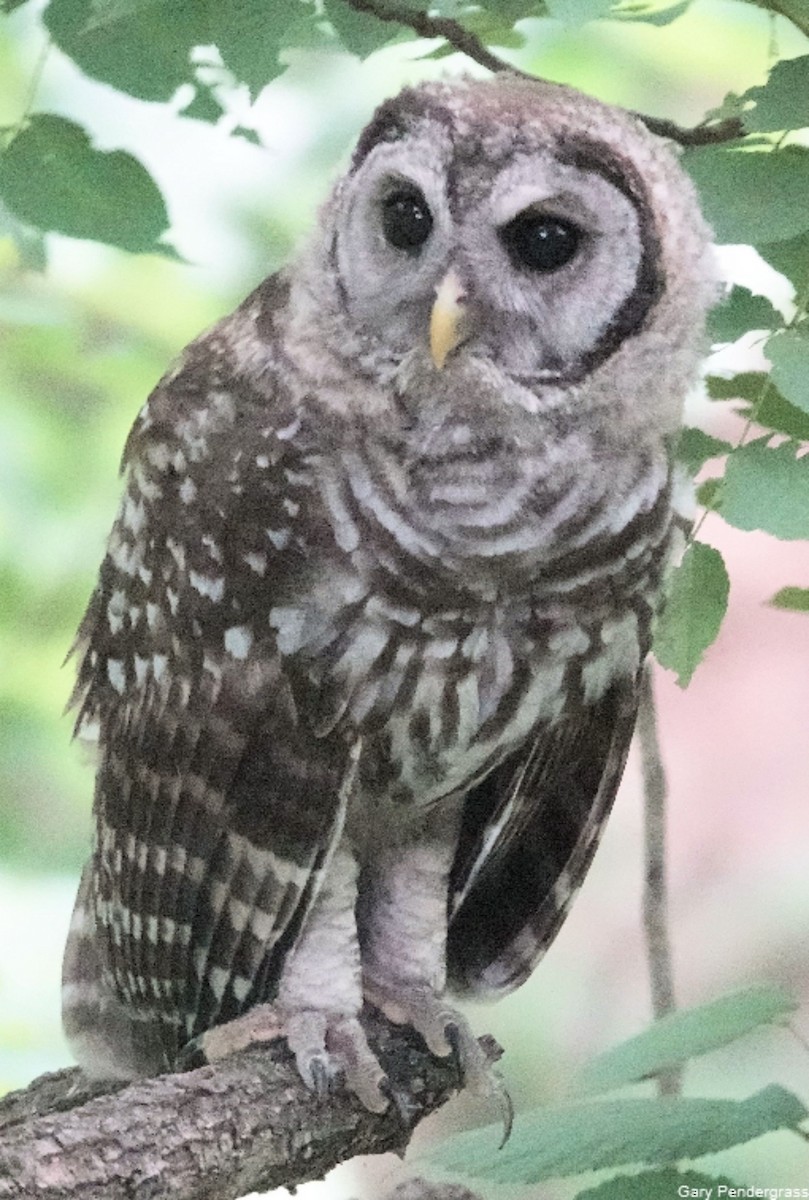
{"x": 446, "y": 327}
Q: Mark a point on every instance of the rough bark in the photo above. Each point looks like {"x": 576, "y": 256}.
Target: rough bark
{"x": 215, "y": 1133}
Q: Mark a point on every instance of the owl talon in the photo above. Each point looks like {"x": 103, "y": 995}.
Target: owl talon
{"x": 191, "y": 1056}
{"x": 403, "y": 1104}
{"x": 331, "y": 1051}
{"x": 322, "y": 1075}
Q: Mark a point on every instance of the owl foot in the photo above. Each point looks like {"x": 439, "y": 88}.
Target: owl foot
{"x": 260, "y": 1024}
{"x": 445, "y": 1032}
{"x": 329, "y": 1048}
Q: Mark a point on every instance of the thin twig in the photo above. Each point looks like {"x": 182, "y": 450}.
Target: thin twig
{"x": 425, "y": 26}
{"x": 468, "y": 43}
{"x": 661, "y": 972}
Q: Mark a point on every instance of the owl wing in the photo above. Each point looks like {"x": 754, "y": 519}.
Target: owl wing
{"x": 529, "y": 833}
{"x": 216, "y": 810}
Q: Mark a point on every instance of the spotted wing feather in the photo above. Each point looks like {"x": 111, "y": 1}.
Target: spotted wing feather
{"x": 216, "y": 810}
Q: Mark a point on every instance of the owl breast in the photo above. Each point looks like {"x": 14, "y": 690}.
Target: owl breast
{"x": 463, "y": 604}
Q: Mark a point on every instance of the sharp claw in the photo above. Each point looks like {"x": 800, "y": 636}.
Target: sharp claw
{"x": 404, "y": 1106}
{"x": 506, "y": 1104}
{"x": 192, "y": 1055}
{"x": 324, "y": 1076}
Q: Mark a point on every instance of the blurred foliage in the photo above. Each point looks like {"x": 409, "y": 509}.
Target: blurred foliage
{"x": 87, "y": 93}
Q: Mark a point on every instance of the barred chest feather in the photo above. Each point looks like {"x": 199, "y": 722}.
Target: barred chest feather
{"x": 444, "y": 633}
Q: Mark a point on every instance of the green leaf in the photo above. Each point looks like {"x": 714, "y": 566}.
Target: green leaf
{"x": 796, "y": 599}
{"x": 764, "y": 400}
{"x": 204, "y": 106}
{"x": 695, "y": 448}
{"x": 732, "y": 183}
{"x": 250, "y": 35}
{"x": 791, "y": 258}
{"x": 249, "y": 135}
{"x": 665, "y": 1184}
{"x": 696, "y": 603}
{"x": 143, "y": 47}
{"x": 740, "y": 312}
{"x": 776, "y": 413}
{"x": 783, "y": 101}
{"x": 570, "y": 1139}
{"x": 747, "y": 385}
{"x": 652, "y": 14}
{"x": 360, "y": 33}
{"x": 139, "y": 46}
{"x": 686, "y": 1034}
{"x": 52, "y": 178}
{"x": 578, "y": 12}
{"x": 707, "y": 492}
{"x": 767, "y": 487}
{"x": 789, "y": 354}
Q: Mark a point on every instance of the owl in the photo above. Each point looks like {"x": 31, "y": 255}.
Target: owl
{"x": 364, "y": 652}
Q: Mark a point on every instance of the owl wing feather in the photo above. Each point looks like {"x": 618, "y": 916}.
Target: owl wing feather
{"x": 216, "y": 810}
{"x": 530, "y": 830}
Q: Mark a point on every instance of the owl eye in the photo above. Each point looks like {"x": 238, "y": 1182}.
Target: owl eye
{"x": 406, "y": 219}
{"x": 540, "y": 242}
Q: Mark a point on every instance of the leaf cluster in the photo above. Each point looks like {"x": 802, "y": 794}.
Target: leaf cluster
{"x": 662, "y": 1135}
{"x": 761, "y": 483}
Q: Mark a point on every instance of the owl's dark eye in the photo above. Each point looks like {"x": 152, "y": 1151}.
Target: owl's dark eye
{"x": 406, "y": 219}
{"x": 540, "y": 242}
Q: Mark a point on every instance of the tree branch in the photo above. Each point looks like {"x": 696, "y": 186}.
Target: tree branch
{"x": 655, "y": 900}
{"x": 468, "y": 43}
{"x": 216, "y": 1133}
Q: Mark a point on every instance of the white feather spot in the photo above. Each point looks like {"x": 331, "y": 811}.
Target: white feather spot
{"x": 177, "y": 552}
{"x": 289, "y": 431}
{"x": 212, "y": 547}
{"x": 292, "y": 506}
{"x": 188, "y": 490}
{"x": 115, "y": 610}
{"x": 238, "y": 640}
{"x": 159, "y": 664}
{"x": 116, "y": 674}
{"x": 257, "y": 563}
{"x": 141, "y": 668}
{"x": 134, "y": 514}
{"x": 262, "y": 460}
{"x": 158, "y": 455}
{"x": 278, "y": 537}
{"x": 147, "y": 487}
{"x": 208, "y": 585}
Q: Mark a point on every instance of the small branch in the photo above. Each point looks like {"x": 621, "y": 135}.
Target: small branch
{"x": 729, "y": 130}
{"x": 466, "y": 42}
{"x": 216, "y": 1133}
{"x": 655, "y": 920}
{"x": 426, "y": 26}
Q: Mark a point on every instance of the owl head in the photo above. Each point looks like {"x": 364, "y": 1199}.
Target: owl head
{"x": 525, "y": 228}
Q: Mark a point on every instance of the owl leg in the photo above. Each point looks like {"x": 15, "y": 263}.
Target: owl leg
{"x": 402, "y": 921}
{"x": 319, "y": 999}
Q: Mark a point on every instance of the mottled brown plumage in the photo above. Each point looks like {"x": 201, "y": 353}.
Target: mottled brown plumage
{"x": 363, "y": 655}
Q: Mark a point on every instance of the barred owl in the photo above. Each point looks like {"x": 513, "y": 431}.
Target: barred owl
{"x": 363, "y": 655}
